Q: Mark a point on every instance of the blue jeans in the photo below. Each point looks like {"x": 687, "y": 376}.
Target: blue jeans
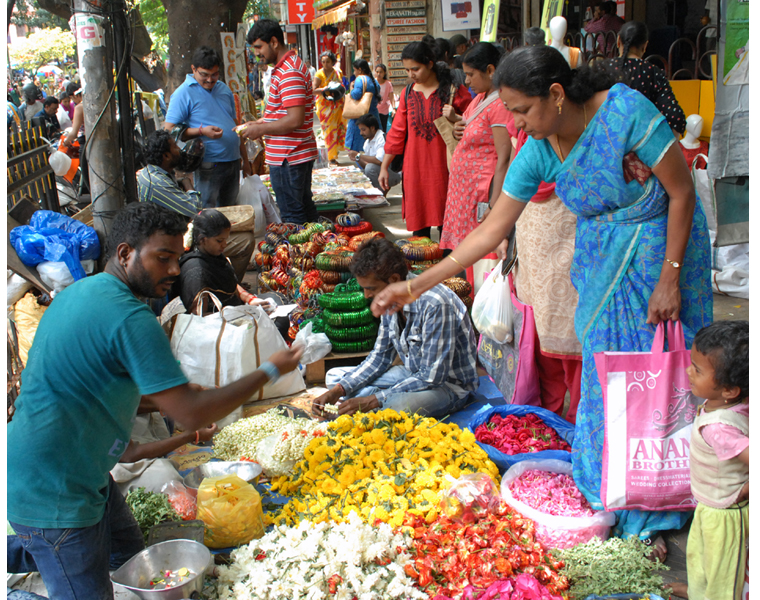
{"x": 292, "y": 191}
{"x": 436, "y": 402}
{"x": 218, "y": 183}
{"x": 74, "y": 563}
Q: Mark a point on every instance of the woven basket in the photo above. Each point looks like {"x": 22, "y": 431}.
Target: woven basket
{"x": 241, "y": 216}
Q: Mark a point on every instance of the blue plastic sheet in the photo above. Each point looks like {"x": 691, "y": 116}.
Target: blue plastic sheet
{"x": 51, "y": 236}
{"x": 624, "y": 597}
{"x": 564, "y": 429}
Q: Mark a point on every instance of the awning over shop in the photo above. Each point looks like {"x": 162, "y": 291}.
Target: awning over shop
{"x": 336, "y": 15}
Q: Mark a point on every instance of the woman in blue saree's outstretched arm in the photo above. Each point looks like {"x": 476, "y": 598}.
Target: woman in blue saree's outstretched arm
{"x": 642, "y": 248}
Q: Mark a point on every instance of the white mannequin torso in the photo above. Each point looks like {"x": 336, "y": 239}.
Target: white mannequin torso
{"x": 694, "y": 125}
{"x": 558, "y": 30}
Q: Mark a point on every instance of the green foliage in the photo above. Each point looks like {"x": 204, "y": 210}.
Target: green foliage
{"x": 30, "y": 14}
{"x": 258, "y": 8}
{"x": 149, "y": 509}
{"x": 42, "y": 47}
{"x": 154, "y": 17}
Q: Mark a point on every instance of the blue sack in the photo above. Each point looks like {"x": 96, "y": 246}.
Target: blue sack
{"x": 624, "y": 597}
{"x": 51, "y": 236}
{"x": 564, "y": 429}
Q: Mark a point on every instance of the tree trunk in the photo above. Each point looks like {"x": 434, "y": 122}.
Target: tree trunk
{"x": 193, "y": 24}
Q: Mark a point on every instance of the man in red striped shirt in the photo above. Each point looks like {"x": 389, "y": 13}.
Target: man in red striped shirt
{"x": 287, "y": 125}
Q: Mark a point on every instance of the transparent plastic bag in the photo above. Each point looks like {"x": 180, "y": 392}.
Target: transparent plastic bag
{"x": 554, "y": 531}
{"x": 181, "y": 499}
{"x": 492, "y": 308}
{"x": 265, "y": 456}
{"x": 315, "y": 345}
{"x": 470, "y": 497}
{"x": 231, "y": 510}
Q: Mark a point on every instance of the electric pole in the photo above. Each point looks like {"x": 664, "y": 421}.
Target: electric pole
{"x": 96, "y": 66}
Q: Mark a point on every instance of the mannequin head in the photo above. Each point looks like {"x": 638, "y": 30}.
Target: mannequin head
{"x": 558, "y": 29}
{"x": 694, "y": 125}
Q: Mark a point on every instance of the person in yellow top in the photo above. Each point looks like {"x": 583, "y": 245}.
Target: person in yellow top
{"x": 330, "y": 112}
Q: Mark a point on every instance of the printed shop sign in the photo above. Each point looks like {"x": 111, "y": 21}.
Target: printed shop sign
{"x": 392, "y": 5}
{"x": 409, "y": 21}
{"x": 460, "y": 14}
{"x": 406, "y": 12}
{"x": 414, "y": 29}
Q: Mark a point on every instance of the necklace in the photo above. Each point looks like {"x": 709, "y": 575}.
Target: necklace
{"x": 559, "y": 146}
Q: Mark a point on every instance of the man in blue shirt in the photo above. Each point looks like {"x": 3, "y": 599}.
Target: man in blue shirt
{"x": 432, "y": 336}
{"x": 48, "y": 115}
{"x": 207, "y": 106}
{"x": 99, "y": 356}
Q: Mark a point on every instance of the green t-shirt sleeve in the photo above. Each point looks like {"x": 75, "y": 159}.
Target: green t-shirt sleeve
{"x": 146, "y": 354}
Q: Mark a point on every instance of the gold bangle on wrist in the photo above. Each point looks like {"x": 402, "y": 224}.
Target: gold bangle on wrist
{"x": 451, "y": 256}
{"x": 409, "y": 288}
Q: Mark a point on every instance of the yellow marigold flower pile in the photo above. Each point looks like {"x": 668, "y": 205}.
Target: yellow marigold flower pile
{"x": 380, "y": 466}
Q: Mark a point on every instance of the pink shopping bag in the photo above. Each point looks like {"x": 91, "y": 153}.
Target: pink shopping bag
{"x": 648, "y": 413}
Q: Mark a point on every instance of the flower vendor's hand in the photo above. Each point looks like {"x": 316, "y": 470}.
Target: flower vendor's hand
{"x": 249, "y": 131}
{"x": 391, "y": 299}
{"x": 212, "y": 132}
{"x": 207, "y": 433}
{"x": 361, "y": 404}
{"x": 286, "y": 360}
{"x": 329, "y": 397}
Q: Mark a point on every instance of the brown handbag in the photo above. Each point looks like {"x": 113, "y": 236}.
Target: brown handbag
{"x": 446, "y": 129}
{"x": 353, "y": 109}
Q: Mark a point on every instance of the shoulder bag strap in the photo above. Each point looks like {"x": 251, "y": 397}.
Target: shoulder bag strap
{"x": 483, "y": 105}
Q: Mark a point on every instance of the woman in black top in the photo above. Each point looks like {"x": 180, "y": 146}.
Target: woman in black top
{"x": 645, "y": 77}
{"x": 206, "y": 268}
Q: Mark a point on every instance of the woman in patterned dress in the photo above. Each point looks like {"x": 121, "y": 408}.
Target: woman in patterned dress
{"x": 330, "y": 112}
{"x": 414, "y": 134}
{"x": 642, "y": 250}
{"x": 485, "y": 133}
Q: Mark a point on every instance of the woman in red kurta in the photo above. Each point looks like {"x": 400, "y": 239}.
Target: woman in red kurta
{"x": 425, "y": 173}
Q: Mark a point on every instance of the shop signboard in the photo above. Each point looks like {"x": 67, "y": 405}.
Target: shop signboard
{"x": 414, "y": 29}
{"x": 394, "y": 56}
{"x": 300, "y": 12}
{"x": 396, "y": 4}
{"x": 397, "y": 74}
{"x": 400, "y": 47}
{"x": 460, "y": 14}
{"x": 397, "y": 42}
{"x": 405, "y": 22}
{"x": 405, "y": 12}
{"x": 490, "y": 21}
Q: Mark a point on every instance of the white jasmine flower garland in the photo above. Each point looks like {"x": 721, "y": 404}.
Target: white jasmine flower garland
{"x": 344, "y": 561}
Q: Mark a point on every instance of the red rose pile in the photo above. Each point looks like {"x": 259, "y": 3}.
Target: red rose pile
{"x": 450, "y": 555}
{"x": 511, "y": 434}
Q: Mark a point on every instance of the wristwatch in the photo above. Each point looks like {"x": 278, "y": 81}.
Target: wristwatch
{"x": 675, "y": 264}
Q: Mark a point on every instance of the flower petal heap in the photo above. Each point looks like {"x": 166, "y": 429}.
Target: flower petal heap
{"x": 379, "y": 466}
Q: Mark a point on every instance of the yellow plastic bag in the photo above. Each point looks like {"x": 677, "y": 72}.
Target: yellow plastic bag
{"x": 231, "y": 510}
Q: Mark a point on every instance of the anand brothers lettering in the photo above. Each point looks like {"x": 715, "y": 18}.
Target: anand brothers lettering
{"x": 668, "y": 454}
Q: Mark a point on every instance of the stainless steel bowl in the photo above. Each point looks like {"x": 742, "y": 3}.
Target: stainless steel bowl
{"x": 136, "y": 574}
{"x": 247, "y": 471}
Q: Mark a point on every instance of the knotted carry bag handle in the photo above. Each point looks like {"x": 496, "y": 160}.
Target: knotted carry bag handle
{"x": 676, "y": 341}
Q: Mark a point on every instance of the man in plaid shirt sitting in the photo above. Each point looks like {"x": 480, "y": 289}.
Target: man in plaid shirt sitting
{"x": 432, "y": 336}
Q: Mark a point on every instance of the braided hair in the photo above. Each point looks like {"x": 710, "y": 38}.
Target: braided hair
{"x": 423, "y": 53}
{"x": 633, "y": 34}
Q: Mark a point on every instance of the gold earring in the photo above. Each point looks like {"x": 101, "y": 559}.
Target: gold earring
{"x": 559, "y": 108}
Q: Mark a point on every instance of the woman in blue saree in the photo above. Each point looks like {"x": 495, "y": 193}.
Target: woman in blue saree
{"x": 641, "y": 249}
{"x": 364, "y": 82}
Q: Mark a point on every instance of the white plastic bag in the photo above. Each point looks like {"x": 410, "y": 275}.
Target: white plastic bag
{"x": 554, "y": 531}
{"x": 316, "y": 345}
{"x": 220, "y": 348}
{"x": 492, "y": 308}
{"x": 249, "y": 195}
{"x": 271, "y": 210}
{"x": 56, "y": 274}
{"x": 17, "y": 287}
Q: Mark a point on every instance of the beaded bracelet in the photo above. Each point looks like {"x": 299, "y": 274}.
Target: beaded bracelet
{"x": 348, "y": 319}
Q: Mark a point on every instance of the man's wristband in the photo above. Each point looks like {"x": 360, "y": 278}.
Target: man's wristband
{"x": 270, "y": 370}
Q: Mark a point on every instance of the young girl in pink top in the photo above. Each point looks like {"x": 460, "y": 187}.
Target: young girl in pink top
{"x": 716, "y": 553}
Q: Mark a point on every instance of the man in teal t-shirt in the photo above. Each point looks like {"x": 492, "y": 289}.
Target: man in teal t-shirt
{"x": 98, "y": 355}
